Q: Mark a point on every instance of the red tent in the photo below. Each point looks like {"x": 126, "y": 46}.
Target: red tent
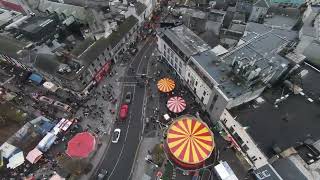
{"x": 81, "y": 145}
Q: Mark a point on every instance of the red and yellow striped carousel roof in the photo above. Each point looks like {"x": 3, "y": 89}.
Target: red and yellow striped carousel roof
{"x": 190, "y": 140}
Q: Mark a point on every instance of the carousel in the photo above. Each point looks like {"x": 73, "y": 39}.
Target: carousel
{"x": 189, "y": 143}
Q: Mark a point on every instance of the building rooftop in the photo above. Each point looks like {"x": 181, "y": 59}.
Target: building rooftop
{"x": 110, "y": 42}
{"x": 260, "y": 45}
{"x": 312, "y": 53}
{"x": 7, "y": 17}
{"x": 10, "y": 46}
{"x": 294, "y": 120}
{"x": 216, "y": 15}
{"x": 186, "y": 40}
{"x": 220, "y": 74}
{"x": 282, "y": 17}
{"x": 82, "y": 46}
{"x": 262, "y": 3}
{"x": 140, "y": 7}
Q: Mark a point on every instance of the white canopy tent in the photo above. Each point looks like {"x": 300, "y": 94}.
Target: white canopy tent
{"x": 16, "y": 160}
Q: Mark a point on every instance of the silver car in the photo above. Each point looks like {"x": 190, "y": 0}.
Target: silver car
{"x": 128, "y": 97}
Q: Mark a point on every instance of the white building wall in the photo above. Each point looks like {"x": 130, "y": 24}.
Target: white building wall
{"x": 151, "y": 4}
{"x": 172, "y": 58}
{"x": 199, "y": 87}
{"x": 257, "y": 158}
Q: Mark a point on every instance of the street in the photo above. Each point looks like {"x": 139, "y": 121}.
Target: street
{"x": 120, "y": 157}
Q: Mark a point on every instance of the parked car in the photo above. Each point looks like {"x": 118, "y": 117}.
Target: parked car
{"x": 102, "y": 174}
{"x": 116, "y": 135}
{"x": 128, "y": 97}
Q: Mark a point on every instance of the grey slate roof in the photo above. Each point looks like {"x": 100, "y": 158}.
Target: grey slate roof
{"x": 140, "y": 7}
{"x": 262, "y": 3}
{"x": 186, "y": 40}
{"x": 81, "y": 47}
{"x": 47, "y": 63}
{"x": 111, "y": 41}
{"x": 10, "y": 46}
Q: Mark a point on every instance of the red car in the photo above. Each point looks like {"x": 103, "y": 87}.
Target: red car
{"x": 123, "y": 111}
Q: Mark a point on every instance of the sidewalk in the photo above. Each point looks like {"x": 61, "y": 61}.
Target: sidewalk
{"x": 142, "y": 168}
{"x": 104, "y": 122}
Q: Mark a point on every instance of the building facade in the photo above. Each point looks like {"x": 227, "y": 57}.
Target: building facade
{"x": 74, "y": 72}
{"x": 237, "y": 77}
{"x": 177, "y": 44}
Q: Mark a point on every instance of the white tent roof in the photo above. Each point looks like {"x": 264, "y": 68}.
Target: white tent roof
{"x": 50, "y": 86}
{"x": 7, "y": 149}
{"x": 219, "y": 50}
{"x": 56, "y": 177}
{"x": 16, "y": 160}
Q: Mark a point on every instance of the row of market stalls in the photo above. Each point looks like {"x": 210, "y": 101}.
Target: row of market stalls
{"x": 80, "y": 146}
{"x": 189, "y": 141}
{"x": 42, "y": 126}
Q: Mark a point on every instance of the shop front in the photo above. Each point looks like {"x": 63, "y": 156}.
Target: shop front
{"x": 103, "y": 72}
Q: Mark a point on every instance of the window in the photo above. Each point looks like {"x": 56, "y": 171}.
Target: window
{"x": 175, "y": 58}
{"x": 188, "y": 74}
{"x": 196, "y": 83}
{"x": 225, "y": 121}
{"x": 211, "y": 107}
{"x": 164, "y": 46}
{"x": 180, "y": 63}
{"x": 179, "y": 70}
{"x": 231, "y": 130}
{"x": 204, "y": 93}
{"x": 202, "y": 99}
{"x": 238, "y": 138}
{"x": 245, "y": 148}
{"x": 214, "y": 100}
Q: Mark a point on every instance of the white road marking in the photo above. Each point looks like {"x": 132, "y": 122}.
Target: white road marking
{"x": 143, "y": 58}
{"x": 125, "y": 139}
{"x": 134, "y": 58}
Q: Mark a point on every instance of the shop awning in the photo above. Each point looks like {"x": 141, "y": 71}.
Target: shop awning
{"x": 34, "y": 155}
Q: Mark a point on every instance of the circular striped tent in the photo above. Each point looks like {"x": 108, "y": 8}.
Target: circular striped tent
{"x": 176, "y": 104}
{"x": 189, "y": 142}
{"x": 166, "y": 85}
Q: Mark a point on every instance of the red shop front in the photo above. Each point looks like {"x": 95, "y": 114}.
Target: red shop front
{"x": 103, "y": 72}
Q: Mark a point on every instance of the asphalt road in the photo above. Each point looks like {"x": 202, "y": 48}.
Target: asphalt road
{"x": 120, "y": 157}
